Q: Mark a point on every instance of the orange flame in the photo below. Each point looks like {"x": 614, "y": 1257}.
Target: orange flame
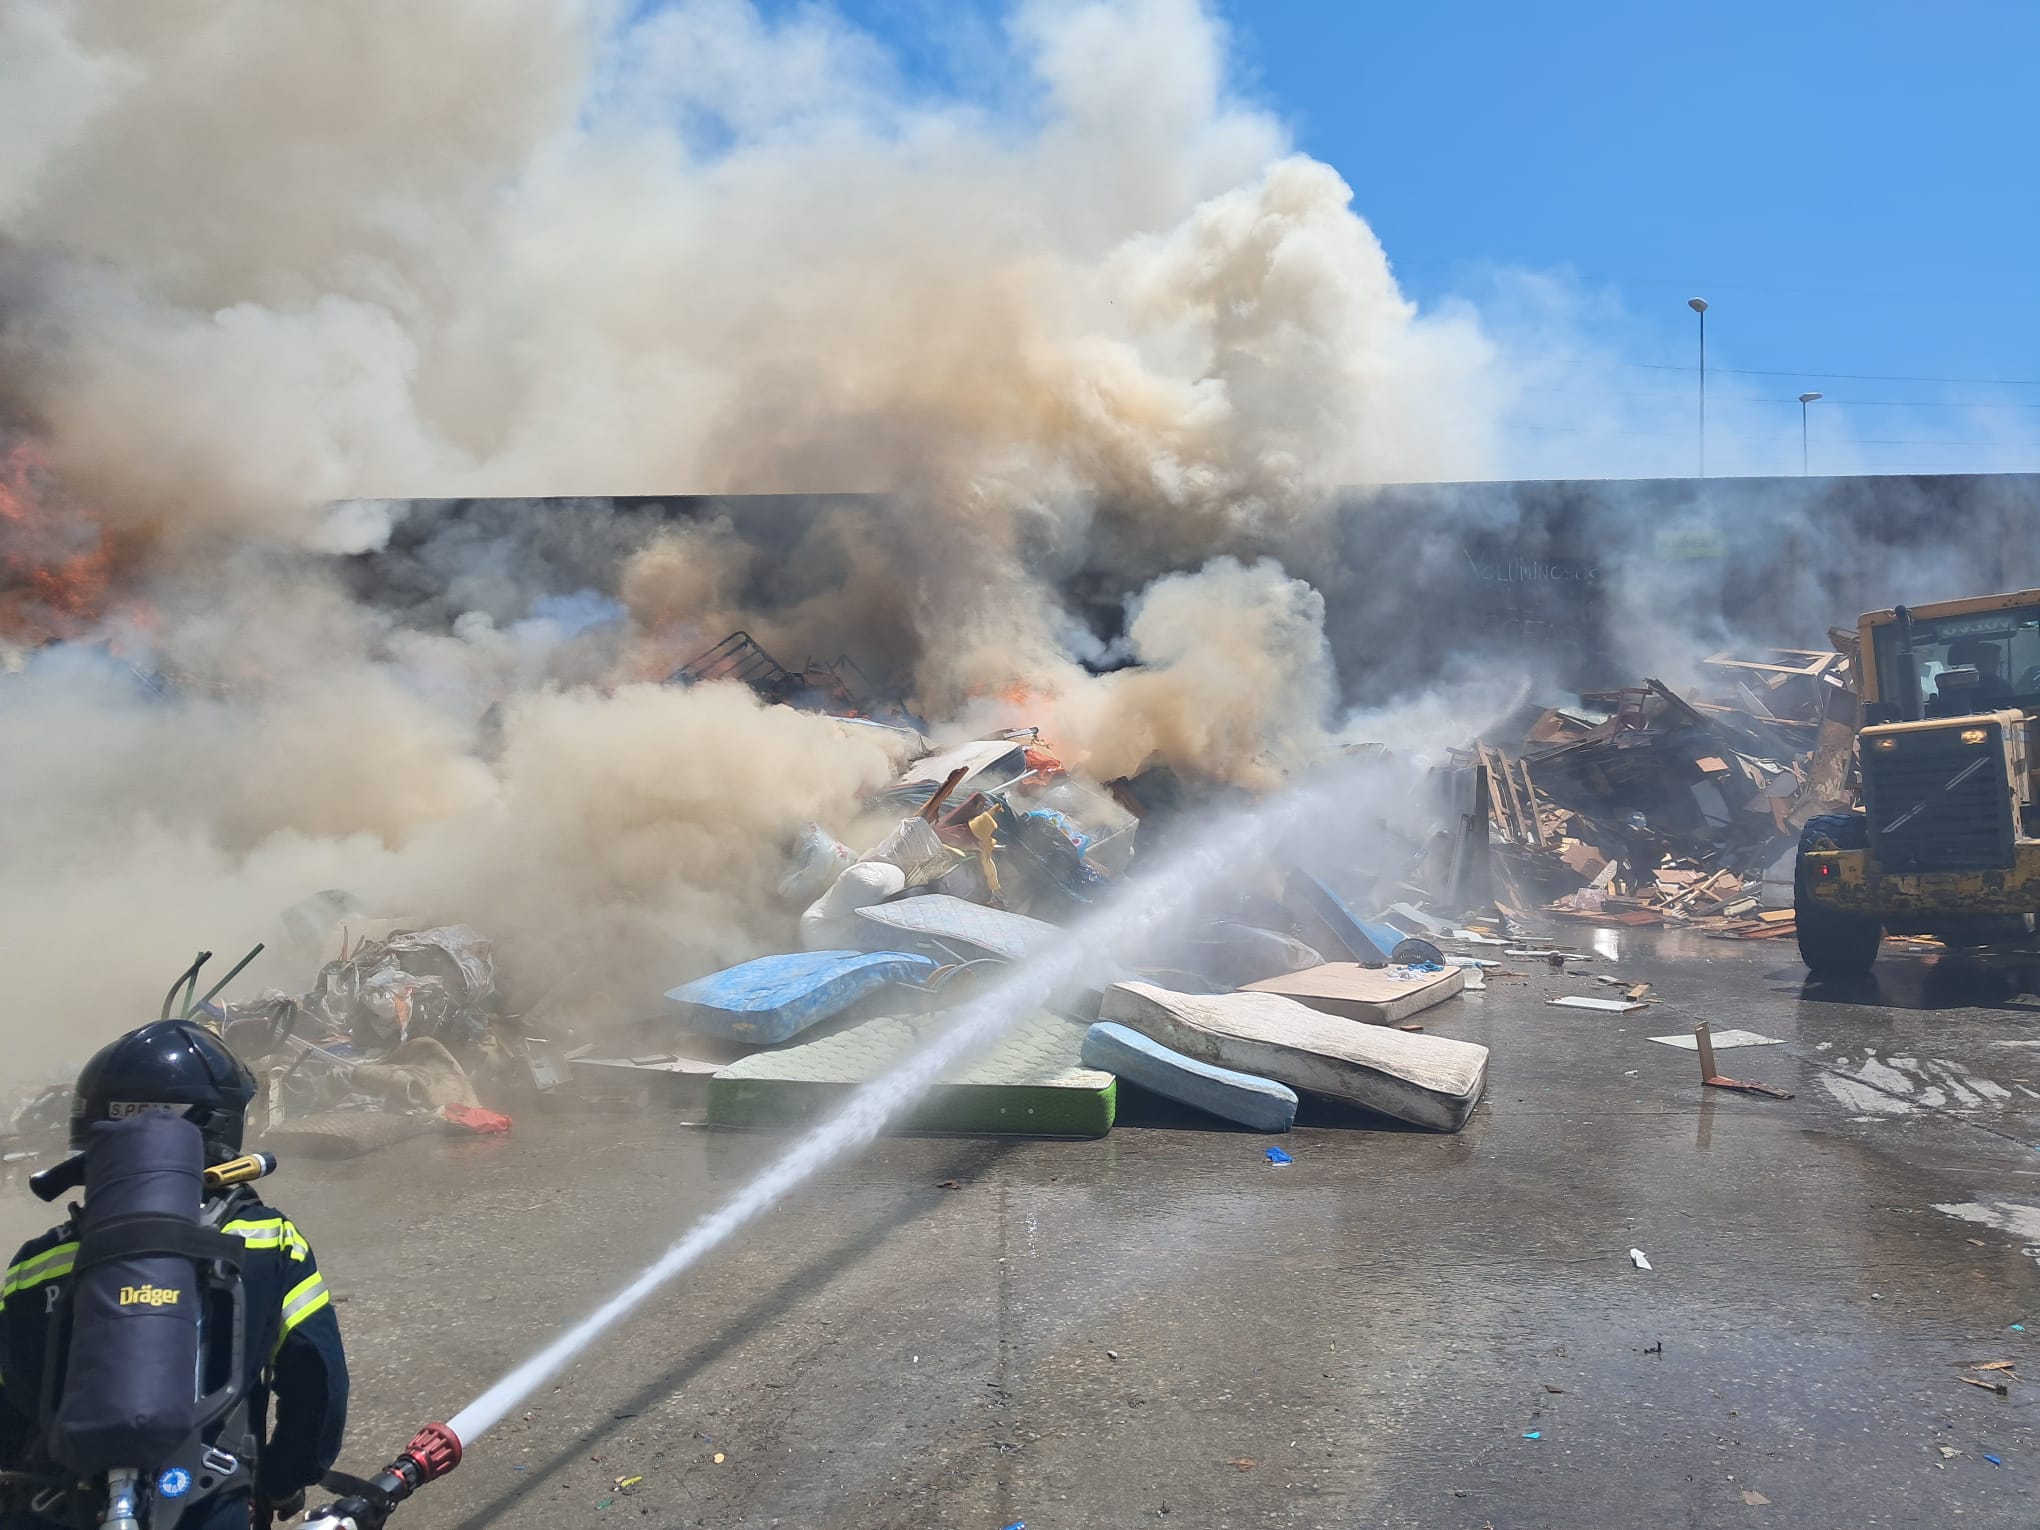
{"x": 55, "y": 564}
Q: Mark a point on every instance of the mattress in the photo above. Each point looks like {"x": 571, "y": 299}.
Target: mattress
{"x": 951, "y": 929}
{"x": 775, "y": 998}
{"x": 1430, "y": 1081}
{"x": 1031, "y": 1083}
{"x": 1328, "y": 924}
{"x": 1237, "y": 954}
{"x": 1377, "y": 995}
{"x": 1241, "y": 1098}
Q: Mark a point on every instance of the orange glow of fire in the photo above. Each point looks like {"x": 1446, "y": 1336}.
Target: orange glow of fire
{"x": 55, "y": 565}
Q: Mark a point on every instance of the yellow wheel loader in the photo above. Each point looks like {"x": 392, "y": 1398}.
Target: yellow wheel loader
{"x": 1948, "y": 840}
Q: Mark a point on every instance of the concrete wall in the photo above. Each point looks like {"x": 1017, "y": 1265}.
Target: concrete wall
{"x": 1591, "y": 582}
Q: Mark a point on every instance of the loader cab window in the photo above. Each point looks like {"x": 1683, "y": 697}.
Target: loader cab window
{"x": 2001, "y": 648}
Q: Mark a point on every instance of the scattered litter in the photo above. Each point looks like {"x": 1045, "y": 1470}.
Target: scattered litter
{"x": 625, "y": 1484}
{"x": 1605, "y": 1006}
{"x": 1244, "y": 1463}
{"x": 1637, "y": 1258}
{"x": 2001, "y": 1388}
{"x": 1949, "y": 1452}
{"x": 1711, "y": 1077}
{"x": 1554, "y": 1391}
{"x": 2018, "y": 1328}
{"x": 1111, "y": 1354}
{"x": 1533, "y": 1434}
{"x": 1993, "y": 1460}
{"x": 1691, "y": 1043}
{"x": 1754, "y": 1500}
{"x": 949, "y": 1184}
{"x": 1276, "y": 1156}
{"x": 472, "y": 1118}
{"x": 720, "y": 1458}
{"x": 1992, "y": 1365}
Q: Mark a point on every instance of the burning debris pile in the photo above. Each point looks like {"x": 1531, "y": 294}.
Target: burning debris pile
{"x": 982, "y": 854}
{"x": 1642, "y": 807}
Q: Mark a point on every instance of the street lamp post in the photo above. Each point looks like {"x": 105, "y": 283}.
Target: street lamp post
{"x": 1804, "y": 400}
{"x": 1699, "y": 306}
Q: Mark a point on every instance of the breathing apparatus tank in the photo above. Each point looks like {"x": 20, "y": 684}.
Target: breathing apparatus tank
{"x": 128, "y": 1395}
{"x": 125, "y": 1397}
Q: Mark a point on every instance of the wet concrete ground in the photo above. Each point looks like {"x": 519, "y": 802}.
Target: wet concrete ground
{"x": 1161, "y": 1328}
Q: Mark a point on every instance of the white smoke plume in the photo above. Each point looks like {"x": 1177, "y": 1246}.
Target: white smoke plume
{"x": 264, "y": 266}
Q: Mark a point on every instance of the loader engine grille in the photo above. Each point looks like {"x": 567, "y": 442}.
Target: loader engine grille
{"x": 1922, "y": 818}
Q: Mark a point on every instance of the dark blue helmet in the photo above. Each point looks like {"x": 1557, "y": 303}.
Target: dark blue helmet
{"x": 173, "y": 1065}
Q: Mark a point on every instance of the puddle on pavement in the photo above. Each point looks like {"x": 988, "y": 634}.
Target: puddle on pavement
{"x": 1901, "y": 1084}
{"x": 2017, "y": 1218}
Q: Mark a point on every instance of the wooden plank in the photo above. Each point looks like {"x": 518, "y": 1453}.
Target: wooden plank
{"x": 1530, "y": 797}
{"x": 1815, "y": 662}
{"x": 1515, "y": 806}
{"x": 1498, "y": 808}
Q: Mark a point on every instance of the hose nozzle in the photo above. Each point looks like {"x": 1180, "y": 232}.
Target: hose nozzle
{"x": 433, "y": 1452}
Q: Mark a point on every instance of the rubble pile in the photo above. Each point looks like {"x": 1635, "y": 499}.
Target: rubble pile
{"x": 1293, "y": 979}
{"x": 1642, "y": 806}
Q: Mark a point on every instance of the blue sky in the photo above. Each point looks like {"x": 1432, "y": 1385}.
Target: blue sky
{"x": 1854, "y": 187}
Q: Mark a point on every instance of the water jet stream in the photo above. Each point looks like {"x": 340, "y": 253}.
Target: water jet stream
{"x": 1169, "y": 890}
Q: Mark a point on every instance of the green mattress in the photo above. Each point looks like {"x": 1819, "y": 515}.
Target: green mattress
{"x": 1031, "y": 1084}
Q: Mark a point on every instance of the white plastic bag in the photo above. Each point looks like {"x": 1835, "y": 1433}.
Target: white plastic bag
{"x": 818, "y": 859}
{"x": 916, "y": 849}
{"x": 831, "y": 919}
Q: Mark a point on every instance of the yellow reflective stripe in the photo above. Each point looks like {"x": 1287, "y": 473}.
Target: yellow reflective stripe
{"x": 295, "y": 1242}
{"x": 49, "y": 1265}
{"x": 265, "y": 1233}
{"x": 304, "y": 1298}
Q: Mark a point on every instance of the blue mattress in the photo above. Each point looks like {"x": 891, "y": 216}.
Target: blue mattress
{"x": 1333, "y": 927}
{"x": 1260, "y": 1103}
{"x": 775, "y": 998}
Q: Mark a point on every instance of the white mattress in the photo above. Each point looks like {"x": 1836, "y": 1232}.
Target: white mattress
{"x": 1430, "y": 1081}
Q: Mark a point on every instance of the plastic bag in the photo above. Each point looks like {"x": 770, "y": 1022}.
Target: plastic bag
{"x": 916, "y": 849}
{"x": 831, "y": 919}
{"x": 818, "y": 858}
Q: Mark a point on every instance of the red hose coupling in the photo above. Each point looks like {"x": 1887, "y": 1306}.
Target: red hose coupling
{"x": 435, "y": 1450}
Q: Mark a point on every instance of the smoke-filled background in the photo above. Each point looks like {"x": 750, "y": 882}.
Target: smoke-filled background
{"x": 265, "y": 266}
{"x": 1102, "y": 342}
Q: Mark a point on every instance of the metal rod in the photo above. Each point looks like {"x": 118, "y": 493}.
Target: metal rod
{"x": 188, "y": 974}
{"x": 191, "y": 983}
{"x": 238, "y": 968}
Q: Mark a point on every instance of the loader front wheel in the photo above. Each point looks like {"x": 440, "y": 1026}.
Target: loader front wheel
{"x": 1831, "y": 943}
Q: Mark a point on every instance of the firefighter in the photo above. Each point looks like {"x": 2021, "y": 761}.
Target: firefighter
{"x": 292, "y": 1352}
